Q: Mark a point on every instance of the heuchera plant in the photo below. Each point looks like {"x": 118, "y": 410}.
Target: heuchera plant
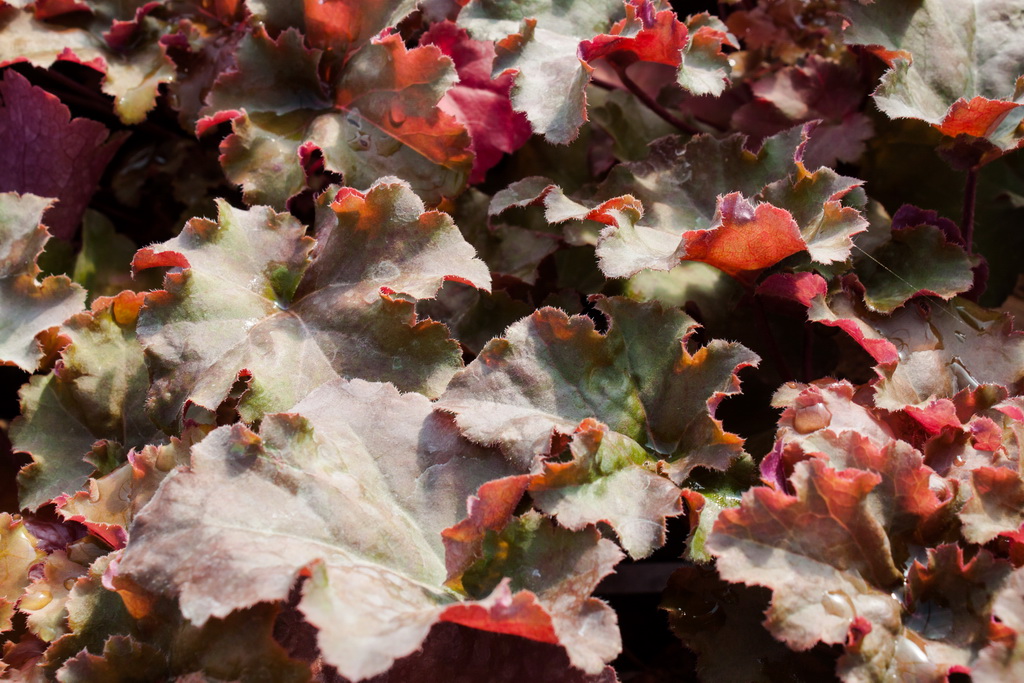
{"x": 350, "y": 340}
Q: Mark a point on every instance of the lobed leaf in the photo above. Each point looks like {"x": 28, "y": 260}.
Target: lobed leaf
{"x": 132, "y": 76}
{"x": 953, "y": 64}
{"x": 551, "y": 371}
{"x": 50, "y": 154}
{"x": 91, "y": 409}
{"x": 359, "y": 481}
{"x": 693, "y": 201}
{"x": 30, "y": 306}
{"x": 609, "y": 479}
{"x": 257, "y": 297}
{"x": 826, "y": 533}
{"x": 377, "y": 117}
{"x": 561, "y": 568}
{"x": 111, "y": 502}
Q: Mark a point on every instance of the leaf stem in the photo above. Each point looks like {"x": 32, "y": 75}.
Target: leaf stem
{"x": 970, "y": 198}
{"x": 603, "y": 84}
{"x": 652, "y": 104}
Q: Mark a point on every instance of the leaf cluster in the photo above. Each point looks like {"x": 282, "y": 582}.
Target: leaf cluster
{"x": 406, "y": 341}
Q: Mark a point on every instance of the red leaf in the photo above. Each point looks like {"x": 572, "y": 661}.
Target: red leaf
{"x": 660, "y": 38}
{"x": 481, "y": 103}
{"x": 799, "y": 287}
{"x": 516, "y": 614}
{"x": 47, "y": 153}
{"x": 436, "y": 135}
{"x": 345, "y": 25}
{"x": 745, "y": 237}
{"x": 489, "y": 510}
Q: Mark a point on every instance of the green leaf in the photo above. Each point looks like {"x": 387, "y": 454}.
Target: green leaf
{"x": 257, "y": 296}
{"x": 915, "y": 261}
{"x": 355, "y": 485}
{"x": 288, "y": 80}
{"x": 550, "y": 372}
{"x": 610, "y": 479}
{"x": 562, "y": 568}
{"x": 29, "y": 306}
{"x": 953, "y": 64}
{"x": 103, "y": 266}
{"x": 95, "y": 400}
{"x": 379, "y": 117}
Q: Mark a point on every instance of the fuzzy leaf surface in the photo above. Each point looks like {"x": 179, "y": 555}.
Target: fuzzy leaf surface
{"x": 360, "y": 481}
{"x": 609, "y": 479}
{"x": 257, "y": 296}
{"x": 825, "y": 532}
{"x": 708, "y": 200}
{"x": 551, "y": 371}
{"x": 95, "y": 400}
{"x": 377, "y": 117}
{"x": 539, "y": 42}
{"x": 953, "y": 64}
{"x": 30, "y": 306}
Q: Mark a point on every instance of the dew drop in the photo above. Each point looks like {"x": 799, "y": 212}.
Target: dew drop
{"x": 36, "y": 600}
{"x": 838, "y": 604}
{"x": 46, "y": 633}
{"x": 396, "y": 113}
{"x": 812, "y": 418}
{"x": 69, "y": 583}
{"x": 908, "y": 650}
{"x": 164, "y": 461}
{"x": 359, "y": 142}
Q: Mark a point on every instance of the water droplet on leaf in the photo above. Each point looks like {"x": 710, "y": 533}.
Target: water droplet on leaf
{"x": 36, "y": 600}
{"x": 396, "y": 113}
{"x": 838, "y": 604}
{"x": 812, "y": 418}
